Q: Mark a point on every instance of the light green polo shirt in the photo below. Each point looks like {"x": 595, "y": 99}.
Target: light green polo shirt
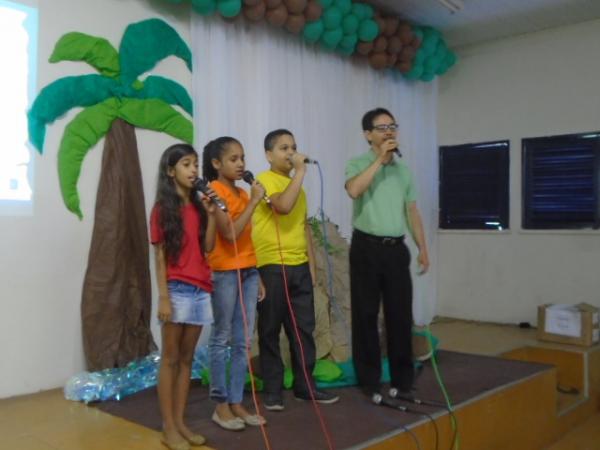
{"x": 381, "y": 209}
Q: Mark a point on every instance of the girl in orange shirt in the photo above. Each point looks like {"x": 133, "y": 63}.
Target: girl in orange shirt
{"x": 223, "y": 164}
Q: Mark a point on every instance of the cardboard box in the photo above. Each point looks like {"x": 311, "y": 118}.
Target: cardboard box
{"x": 568, "y": 324}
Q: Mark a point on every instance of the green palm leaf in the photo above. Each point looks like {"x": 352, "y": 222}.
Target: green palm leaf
{"x": 80, "y": 135}
{"x": 146, "y": 43}
{"x": 60, "y": 96}
{"x": 168, "y": 90}
{"x": 97, "y": 52}
{"x": 155, "y": 114}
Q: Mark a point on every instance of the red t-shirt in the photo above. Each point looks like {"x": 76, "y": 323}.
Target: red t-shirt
{"x": 191, "y": 266}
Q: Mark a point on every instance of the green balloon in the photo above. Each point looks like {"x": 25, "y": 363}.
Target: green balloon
{"x": 349, "y": 41}
{"x": 347, "y": 51}
{"x": 204, "y": 7}
{"x": 359, "y": 10}
{"x": 418, "y": 32}
{"x": 175, "y": 1}
{"x": 313, "y": 31}
{"x": 325, "y": 3}
{"x": 331, "y": 38}
{"x": 368, "y": 30}
{"x": 332, "y": 17}
{"x": 428, "y": 46}
{"x": 427, "y": 76}
{"x": 414, "y": 73}
{"x": 350, "y": 23}
{"x": 450, "y": 59}
{"x": 369, "y": 11}
{"x": 442, "y": 69}
{"x": 419, "y": 57}
{"x": 345, "y": 6}
{"x": 431, "y": 64}
{"x": 229, "y": 8}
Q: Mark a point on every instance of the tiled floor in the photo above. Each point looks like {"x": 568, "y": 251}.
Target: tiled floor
{"x": 46, "y": 421}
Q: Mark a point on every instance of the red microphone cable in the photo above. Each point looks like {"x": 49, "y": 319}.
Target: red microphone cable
{"x": 296, "y": 332}
{"x": 247, "y": 336}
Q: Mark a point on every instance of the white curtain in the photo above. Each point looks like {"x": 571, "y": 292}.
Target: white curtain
{"x": 249, "y": 79}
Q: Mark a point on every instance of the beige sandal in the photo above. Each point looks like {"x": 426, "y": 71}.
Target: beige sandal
{"x": 255, "y": 420}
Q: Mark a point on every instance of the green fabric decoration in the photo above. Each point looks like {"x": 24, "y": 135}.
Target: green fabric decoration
{"x": 97, "y": 52}
{"x": 146, "y": 43}
{"x": 204, "y": 7}
{"x": 81, "y": 134}
{"x": 332, "y": 18}
{"x": 326, "y": 370}
{"x": 229, "y": 8}
{"x": 155, "y": 114}
{"x": 258, "y": 383}
{"x": 167, "y": 90}
{"x": 368, "y": 30}
{"x": 313, "y": 31}
{"x": 350, "y": 24}
{"x": 288, "y": 378}
{"x": 106, "y": 98}
{"x": 62, "y": 95}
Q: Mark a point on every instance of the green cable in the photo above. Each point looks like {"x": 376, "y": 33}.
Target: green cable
{"x": 456, "y": 443}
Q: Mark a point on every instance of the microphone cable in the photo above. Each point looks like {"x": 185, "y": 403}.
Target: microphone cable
{"x": 330, "y": 291}
{"x": 247, "y": 337}
{"x": 379, "y": 400}
{"x": 297, "y": 334}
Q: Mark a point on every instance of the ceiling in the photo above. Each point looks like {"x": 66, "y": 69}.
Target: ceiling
{"x": 483, "y": 20}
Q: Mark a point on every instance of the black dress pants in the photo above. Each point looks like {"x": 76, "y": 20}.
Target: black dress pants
{"x": 273, "y": 312}
{"x": 379, "y": 271}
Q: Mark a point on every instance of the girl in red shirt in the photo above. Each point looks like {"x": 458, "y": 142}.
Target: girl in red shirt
{"x": 182, "y": 229}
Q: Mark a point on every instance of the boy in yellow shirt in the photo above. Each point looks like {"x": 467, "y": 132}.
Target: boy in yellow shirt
{"x": 284, "y": 223}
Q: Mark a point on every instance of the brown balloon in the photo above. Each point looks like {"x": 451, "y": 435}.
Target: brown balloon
{"x": 255, "y": 13}
{"x": 295, "y": 6}
{"x": 364, "y": 48}
{"x": 251, "y": 2}
{"x": 405, "y": 33}
{"x": 404, "y": 67}
{"x": 415, "y": 42}
{"x": 391, "y": 59}
{"x": 313, "y": 11}
{"x": 277, "y": 16}
{"x": 378, "y": 60}
{"x": 394, "y": 44}
{"x": 407, "y": 54}
{"x": 391, "y": 26}
{"x": 271, "y": 4}
{"x": 295, "y": 23}
{"x": 380, "y": 44}
{"x": 380, "y": 22}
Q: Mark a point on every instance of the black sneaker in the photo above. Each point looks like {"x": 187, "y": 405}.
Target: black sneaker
{"x": 323, "y": 397}
{"x": 273, "y": 402}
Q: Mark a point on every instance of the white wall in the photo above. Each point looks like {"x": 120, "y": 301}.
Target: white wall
{"x": 44, "y": 256}
{"x": 539, "y": 84}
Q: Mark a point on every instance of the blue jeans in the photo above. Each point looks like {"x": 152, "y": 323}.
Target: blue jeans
{"x": 228, "y": 327}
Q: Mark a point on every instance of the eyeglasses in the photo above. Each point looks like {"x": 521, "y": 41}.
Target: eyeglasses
{"x": 386, "y": 127}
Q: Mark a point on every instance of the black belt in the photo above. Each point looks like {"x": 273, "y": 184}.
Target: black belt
{"x": 382, "y": 240}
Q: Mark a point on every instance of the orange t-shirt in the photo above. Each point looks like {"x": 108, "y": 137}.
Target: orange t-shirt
{"x": 223, "y": 255}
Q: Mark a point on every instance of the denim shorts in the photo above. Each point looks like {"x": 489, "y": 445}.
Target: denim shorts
{"x": 189, "y": 304}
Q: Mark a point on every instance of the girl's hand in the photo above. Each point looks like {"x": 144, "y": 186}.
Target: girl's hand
{"x": 262, "y": 292}
{"x": 208, "y": 205}
{"x": 257, "y": 192}
{"x": 164, "y": 309}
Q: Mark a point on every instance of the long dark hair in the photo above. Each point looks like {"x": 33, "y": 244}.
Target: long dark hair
{"x": 170, "y": 204}
{"x": 214, "y": 150}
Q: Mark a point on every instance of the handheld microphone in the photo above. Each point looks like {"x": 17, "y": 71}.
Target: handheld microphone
{"x": 248, "y": 177}
{"x": 310, "y": 161}
{"x": 395, "y": 393}
{"x": 397, "y": 152}
{"x": 379, "y": 400}
{"x": 202, "y": 185}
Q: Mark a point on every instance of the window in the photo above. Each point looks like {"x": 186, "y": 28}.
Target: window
{"x": 18, "y": 49}
{"x": 474, "y": 186}
{"x": 561, "y": 181}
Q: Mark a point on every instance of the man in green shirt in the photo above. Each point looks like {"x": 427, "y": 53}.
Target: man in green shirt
{"x": 384, "y": 207}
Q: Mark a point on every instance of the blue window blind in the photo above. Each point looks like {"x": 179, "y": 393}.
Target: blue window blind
{"x": 561, "y": 181}
{"x": 474, "y": 186}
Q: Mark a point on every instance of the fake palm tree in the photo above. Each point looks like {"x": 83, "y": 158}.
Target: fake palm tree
{"x": 116, "y": 297}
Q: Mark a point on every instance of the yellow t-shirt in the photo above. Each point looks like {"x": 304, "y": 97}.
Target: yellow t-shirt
{"x": 291, "y": 226}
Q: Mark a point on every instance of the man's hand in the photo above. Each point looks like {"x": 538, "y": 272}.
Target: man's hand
{"x": 387, "y": 150}
{"x": 423, "y": 260}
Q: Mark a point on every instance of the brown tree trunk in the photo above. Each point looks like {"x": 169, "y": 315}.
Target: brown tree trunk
{"x": 116, "y": 299}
